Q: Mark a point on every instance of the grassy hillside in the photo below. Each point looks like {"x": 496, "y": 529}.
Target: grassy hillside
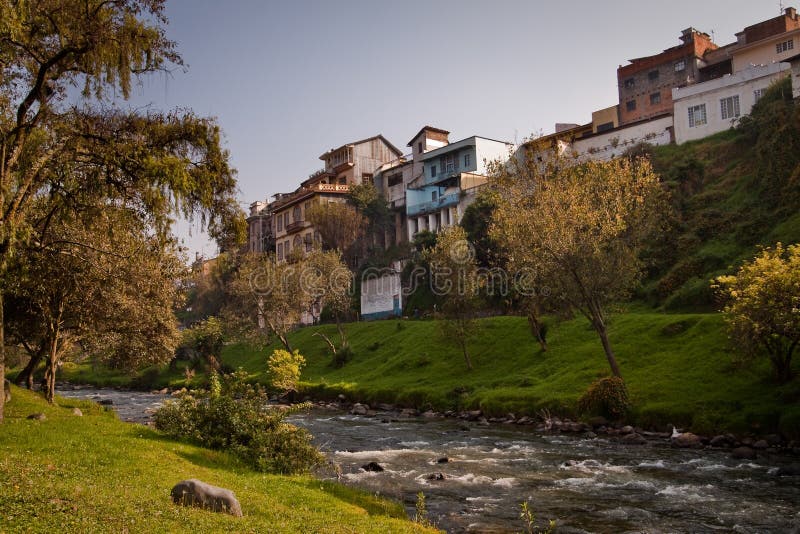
{"x": 97, "y": 474}
{"x": 678, "y": 368}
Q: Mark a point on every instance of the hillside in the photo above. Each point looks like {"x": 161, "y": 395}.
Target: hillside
{"x": 97, "y": 474}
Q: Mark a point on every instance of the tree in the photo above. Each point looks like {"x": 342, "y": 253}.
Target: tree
{"x": 376, "y": 211}
{"x": 54, "y": 147}
{"x": 329, "y": 282}
{"x": 453, "y": 273}
{"x": 339, "y": 224}
{"x": 763, "y": 306}
{"x": 113, "y": 300}
{"x": 579, "y": 226}
{"x": 284, "y": 369}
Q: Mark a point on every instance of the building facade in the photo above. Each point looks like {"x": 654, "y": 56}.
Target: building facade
{"x": 259, "y": 228}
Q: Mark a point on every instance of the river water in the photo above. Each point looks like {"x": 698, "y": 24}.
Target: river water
{"x": 586, "y": 485}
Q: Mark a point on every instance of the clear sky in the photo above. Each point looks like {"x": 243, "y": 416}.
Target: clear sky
{"x": 289, "y": 80}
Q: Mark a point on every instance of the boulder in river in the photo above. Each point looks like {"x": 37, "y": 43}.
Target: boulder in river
{"x": 687, "y": 440}
{"x": 372, "y": 466}
{"x": 194, "y": 492}
{"x": 743, "y": 453}
{"x": 359, "y": 409}
{"x": 633, "y": 439}
{"x": 760, "y": 444}
{"x": 435, "y": 476}
{"x": 443, "y": 460}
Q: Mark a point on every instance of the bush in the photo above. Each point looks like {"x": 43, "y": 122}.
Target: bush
{"x": 284, "y": 369}
{"x": 607, "y": 397}
{"x": 235, "y": 417}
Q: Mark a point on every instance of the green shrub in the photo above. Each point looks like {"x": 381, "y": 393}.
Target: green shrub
{"x": 607, "y": 397}
{"x": 284, "y": 369}
{"x": 236, "y": 418}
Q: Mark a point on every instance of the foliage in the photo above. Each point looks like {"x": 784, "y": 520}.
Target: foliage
{"x": 607, "y": 396}
{"x": 84, "y": 154}
{"x": 376, "y": 211}
{"x": 529, "y": 519}
{"x": 237, "y": 419}
{"x": 205, "y": 338}
{"x": 581, "y": 226}
{"x": 421, "y": 511}
{"x": 762, "y": 307}
{"x": 339, "y": 224}
{"x": 78, "y": 463}
{"x": 476, "y": 221}
{"x": 284, "y": 369}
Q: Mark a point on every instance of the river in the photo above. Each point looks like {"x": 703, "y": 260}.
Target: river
{"x": 586, "y": 485}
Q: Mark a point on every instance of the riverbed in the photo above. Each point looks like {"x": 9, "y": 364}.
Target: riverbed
{"x": 586, "y": 485}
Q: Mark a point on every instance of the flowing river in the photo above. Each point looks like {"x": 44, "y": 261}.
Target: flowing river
{"x": 586, "y": 485}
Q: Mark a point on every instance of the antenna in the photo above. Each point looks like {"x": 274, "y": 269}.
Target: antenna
{"x": 780, "y": 6}
{"x": 713, "y": 38}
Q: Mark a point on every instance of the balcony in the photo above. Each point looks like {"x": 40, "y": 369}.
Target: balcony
{"x": 295, "y": 226}
{"x": 444, "y": 201}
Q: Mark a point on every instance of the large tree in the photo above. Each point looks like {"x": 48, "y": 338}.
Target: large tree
{"x": 59, "y": 145}
{"x": 579, "y": 227}
{"x": 762, "y": 307}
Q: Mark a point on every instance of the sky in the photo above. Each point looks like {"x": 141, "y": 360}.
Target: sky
{"x": 289, "y": 80}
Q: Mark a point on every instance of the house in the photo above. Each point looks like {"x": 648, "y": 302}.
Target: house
{"x": 645, "y": 85}
{"x": 259, "y": 228}
{"x": 450, "y": 178}
{"x": 349, "y": 164}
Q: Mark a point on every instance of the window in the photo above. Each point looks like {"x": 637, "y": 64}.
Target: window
{"x": 366, "y": 178}
{"x": 433, "y": 171}
{"x": 342, "y": 180}
{"x": 655, "y": 98}
{"x": 433, "y": 196}
{"x": 419, "y": 147}
{"x": 395, "y": 179}
{"x": 680, "y": 65}
{"x": 630, "y": 105}
{"x": 757, "y": 94}
{"x": 605, "y": 127}
{"x": 297, "y": 214}
{"x": 449, "y": 163}
{"x": 286, "y": 219}
{"x": 729, "y": 107}
{"x": 280, "y": 223}
{"x": 652, "y": 75}
{"x": 629, "y": 83}
{"x": 697, "y": 115}
{"x": 467, "y": 160}
{"x": 785, "y": 46}
{"x": 280, "y": 251}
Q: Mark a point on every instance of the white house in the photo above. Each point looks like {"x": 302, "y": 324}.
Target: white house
{"x": 706, "y": 108}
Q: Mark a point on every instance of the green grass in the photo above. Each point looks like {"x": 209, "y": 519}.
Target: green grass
{"x": 679, "y": 369}
{"x": 97, "y": 474}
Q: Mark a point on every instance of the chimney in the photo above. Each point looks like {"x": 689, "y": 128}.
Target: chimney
{"x": 791, "y": 13}
{"x": 687, "y": 35}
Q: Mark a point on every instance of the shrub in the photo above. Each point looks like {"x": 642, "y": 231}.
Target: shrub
{"x": 236, "y": 418}
{"x": 607, "y": 397}
{"x": 284, "y": 369}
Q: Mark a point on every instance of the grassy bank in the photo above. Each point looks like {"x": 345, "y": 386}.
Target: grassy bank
{"x": 678, "y": 368}
{"x": 97, "y": 474}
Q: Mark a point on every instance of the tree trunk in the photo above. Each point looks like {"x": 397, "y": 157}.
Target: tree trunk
{"x": 466, "y": 355}
{"x": 52, "y": 363}
{"x": 536, "y": 329}
{"x": 26, "y": 376}
{"x": 600, "y": 326}
{"x": 342, "y": 335}
{"x": 2, "y": 348}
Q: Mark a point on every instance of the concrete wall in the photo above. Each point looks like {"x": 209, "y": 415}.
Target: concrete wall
{"x": 487, "y": 150}
{"x": 765, "y": 53}
{"x": 796, "y": 78}
{"x": 742, "y": 84}
{"x": 614, "y": 143}
{"x": 381, "y": 295}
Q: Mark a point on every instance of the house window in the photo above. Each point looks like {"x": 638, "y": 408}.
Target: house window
{"x": 419, "y": 147}
{"x": 680, "y": 65}
{"x": 395, "y": 179}
{"x": 467, "y": 160}
{"x": 433, "y": 196}
{"x": 697, "y": 115}
{"x": 729, "y": 107}
{"x": 630, "y": 105}
{"x": 652, "y": 75}
{"x": 280, "y": 251}
{"x": 757, "y": 94}
{"x": 449, "y": 164}
{"x": 366, "y": 178}
{"x": 297, "y": 214}
{"x": 655, "y": 98}
{"x": 286, "y": 219}
{"x": 605, "y": 127}
{"x": 280, "y": 223}
{"x": 342, "y": 180}
{"x": 433, "y": 171}
{"x": 785, "y": 46}
{"x": 629, "y": 83}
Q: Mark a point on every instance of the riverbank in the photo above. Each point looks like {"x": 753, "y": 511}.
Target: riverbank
{"x": 94, "y": 473}
{"x": 678, "y": 368}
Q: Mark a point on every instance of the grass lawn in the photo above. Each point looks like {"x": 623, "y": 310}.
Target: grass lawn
{"x": 678, "y": 367}
{"x": 97, "y": 474}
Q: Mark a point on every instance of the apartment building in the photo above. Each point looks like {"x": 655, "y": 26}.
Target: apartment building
{"x": 259, "y": 228}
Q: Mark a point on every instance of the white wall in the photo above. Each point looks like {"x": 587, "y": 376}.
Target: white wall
{"x": 613, "y": 143}
{"x": 744, "y": 84}
{"x": 487, "y": 150}
{"x": 378, "y": 295}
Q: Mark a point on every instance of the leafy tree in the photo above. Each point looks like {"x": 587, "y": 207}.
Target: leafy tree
{"x": 453, "y": 272}
{"x": 206, "y": 338}
{"x": 339, "y": 224}
{"x": 329, "y": 282}
{"x": 476, "y": 221}
{"x": 580, "y": 227}
{"x": 284, "y": 369}
{"x": 375, "y": 209}
{"x": 763, "y": 306}
{"x": 156, "y": 164}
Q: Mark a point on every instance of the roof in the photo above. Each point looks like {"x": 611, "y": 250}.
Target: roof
{"x": 379, "y": 136}
{"x": 431, "y": 128}
{"x": 467, "y": 141}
